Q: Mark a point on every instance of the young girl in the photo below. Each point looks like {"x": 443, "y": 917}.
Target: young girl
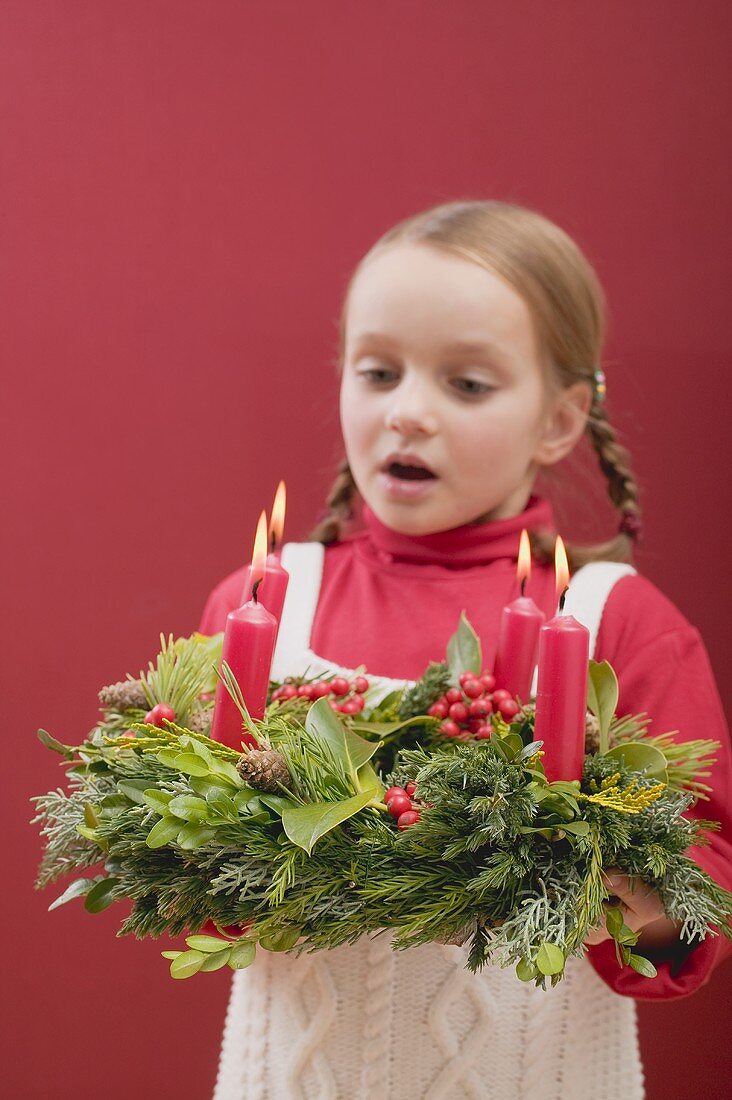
{"x": 471, "y": 339}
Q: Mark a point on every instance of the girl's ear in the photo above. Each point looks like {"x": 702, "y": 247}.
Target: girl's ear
{"x": 565, "y": 423}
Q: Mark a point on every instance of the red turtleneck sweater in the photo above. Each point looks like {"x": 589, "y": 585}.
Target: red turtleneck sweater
{"x": 392, "y": 601}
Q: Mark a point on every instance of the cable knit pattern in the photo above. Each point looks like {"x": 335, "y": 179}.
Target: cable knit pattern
{"x": 365, "y": 1022}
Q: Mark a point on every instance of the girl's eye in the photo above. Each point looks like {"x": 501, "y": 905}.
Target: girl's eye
{"x": 475, "y": 389}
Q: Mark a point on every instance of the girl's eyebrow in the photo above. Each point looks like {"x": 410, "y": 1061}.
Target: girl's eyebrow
{"x": 469, "y": 347}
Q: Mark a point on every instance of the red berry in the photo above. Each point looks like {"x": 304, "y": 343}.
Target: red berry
{"x": 488, "y": 681}
{"x": 320, "y": 689}
{"x": 475, "y": 724}
{"x": 306, "y": 691}
{"x": 393, "y": 792}
{"x": 501, "y": 693}
{"x": 160, "y": 712}
{"x": 478, "y": 708}
{"x": 411, "y": 788}
{"x": 333, "y": 705}
{"x": 360, "y": 684}
{"x": 483, "y": 733}
{"x": 474, "y": 689}
{"x": 458, "y": 712}
{"x": 340, "y": 686}
{"x": 350, "y": 706}
{"x": 438, "y": 709}
{"x": 128, "y": 733}
{"x": 399, "y": 804}
{"x": 409, "y": 817}
{"x": 453, "y": 695}
{"x": 288, "y": 691}
{"x": 449, "y": 728}
{"x": 358, "y": 703}
{"x": 508, "y": 708}
{"x": 464, "y": 677}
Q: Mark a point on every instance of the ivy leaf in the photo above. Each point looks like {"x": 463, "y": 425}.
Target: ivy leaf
{"x": 602, "y": 696}
{"x": 646, "y": 759}
{"x": 550, "y": 959}
{"x": 242, "y": 955}
{"x": 350, "y": 750}
{"x": 464, "y": 650}
{"x": 100, "y": 895}
{"x": 643, "y": 965}
{"x": 187, "y": 964}
{"x": 77, "y": 889}
{"x": 305, "y": 825}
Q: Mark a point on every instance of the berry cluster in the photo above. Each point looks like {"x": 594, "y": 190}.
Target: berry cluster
{"x": 347, "y": 696}
{"x": 404, "y": 805}
{"x": 466, "y": 710}
{"x": 159, "y": 712}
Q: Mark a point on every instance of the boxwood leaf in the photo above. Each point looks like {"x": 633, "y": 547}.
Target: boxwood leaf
{"x": 187, "y": 964}
{"x": 242, "y": 954}
{"x": 157, "y": 800}
{"x": 215, "y": 961}
{"x": 188, "y": 807}
{"x": 206, "y": 944}
{"x": 643, "y": 965}
{"x": 550, "y": 958}
{"x": 163, "y": 832}
{"x": 190, "y": 764}
{"x": 195, "y": 836}
{"x": 526, "y": 971}
{"x": 100, "y": 895}
{"x": 77, "y": 889}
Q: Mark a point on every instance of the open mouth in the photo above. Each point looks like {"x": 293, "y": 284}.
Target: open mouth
{"x": 409, "y": 473}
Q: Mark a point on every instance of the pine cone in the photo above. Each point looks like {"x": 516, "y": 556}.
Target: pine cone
{"x": 592, "y": 734}
{"x": 124, "y": 695}
{"x": 264, "y": 769}
{"x": 199, "y": 720}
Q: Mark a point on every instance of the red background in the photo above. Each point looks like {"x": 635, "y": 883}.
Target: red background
{"x": 186, "y": 187}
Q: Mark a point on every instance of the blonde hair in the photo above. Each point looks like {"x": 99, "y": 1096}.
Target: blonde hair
{"x": 548, "y": 269}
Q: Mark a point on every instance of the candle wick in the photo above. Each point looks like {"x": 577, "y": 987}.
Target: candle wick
{"x": 272, "y": 543}
{"x": 562, "y": 598}
{"x": 523, "y": 586}
{"x": 255, "y": 586}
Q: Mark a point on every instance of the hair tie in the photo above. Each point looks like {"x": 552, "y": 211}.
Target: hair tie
{"x": 600, "y": 384}
{"x": 631, "y": 525}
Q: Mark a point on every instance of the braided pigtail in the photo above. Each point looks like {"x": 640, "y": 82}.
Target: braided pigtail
{"x": 339, "y": 506}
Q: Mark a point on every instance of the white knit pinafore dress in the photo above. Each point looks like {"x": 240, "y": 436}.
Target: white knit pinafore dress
{"x": 363, "y": 1022}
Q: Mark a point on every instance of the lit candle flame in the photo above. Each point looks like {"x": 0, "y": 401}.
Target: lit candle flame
{"x": 523, "y": 568}
{"x": 259, "y": 557}
{"x": 277, "y": 522}
{"x": 561, "y": 570}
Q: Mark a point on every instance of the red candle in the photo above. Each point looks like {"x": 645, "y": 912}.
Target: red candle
{"x": 518, "y": 634}
{"x": 272, "y": 590}
{"x": 248, "y": 647}
{"x": 561, "y": 697}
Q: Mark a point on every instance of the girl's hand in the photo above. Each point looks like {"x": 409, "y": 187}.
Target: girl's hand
{"x": 642, "y": 912}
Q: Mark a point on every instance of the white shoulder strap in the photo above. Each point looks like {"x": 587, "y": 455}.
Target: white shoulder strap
{"x": 304, "y": 562}
{"x": 588, "y": 591}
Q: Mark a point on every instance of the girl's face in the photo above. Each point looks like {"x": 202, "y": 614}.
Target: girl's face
{"x": 441, "y": 362}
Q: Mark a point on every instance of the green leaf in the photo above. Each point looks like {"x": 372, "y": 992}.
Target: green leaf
{"x": 203, "y": 751}
{"x": 602, "y": 696}
{"x": 190, "y": 764}
{"x": 163, "y": 832}
{"x": 157, "y": 800}
{"x": 368, "y": 779}
{"x": 133, "y": 789}
{"x": 100, "y": 896}
{"x": 187, "y": 964}
{"x": 464, "y": 650}
{"x": 526, "y": 971}
{"x": 77, "y": 889}
{"x": 577, "y": 828}
{"x": 227, "y": 771}
{"x": 168, "y": 758}
{"x": 188, "y": 807}
{"x": 643, "y": 965}
{"x": 627, "y": 936}
{"x": 222, "y": 804}
{"x": 242, "y": 955}
{"x": 283, "y": 940}
{"x": 207, "y": 944}
{"x": 55, "y": 746}
{"x": 91, "y": 816}
{"x": 305, "y": 825}
{"x": 550, "y": 959}
{"x": 90, "y": 834}
{"x": 171, "y": 954}
{"x": 195, "y": 836}
{"x": 350, "y": 750}
{"x": 215, "y": 962}
{"x": 613, "y": 920}
{"x": 277, "y": 802}
{"x": 202, "y": 784}
{"x": 528, "y": 751}
{"x": 646, "y": 759}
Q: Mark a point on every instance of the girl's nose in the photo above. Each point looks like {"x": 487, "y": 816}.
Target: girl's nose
{"x": 410, "y": 413}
